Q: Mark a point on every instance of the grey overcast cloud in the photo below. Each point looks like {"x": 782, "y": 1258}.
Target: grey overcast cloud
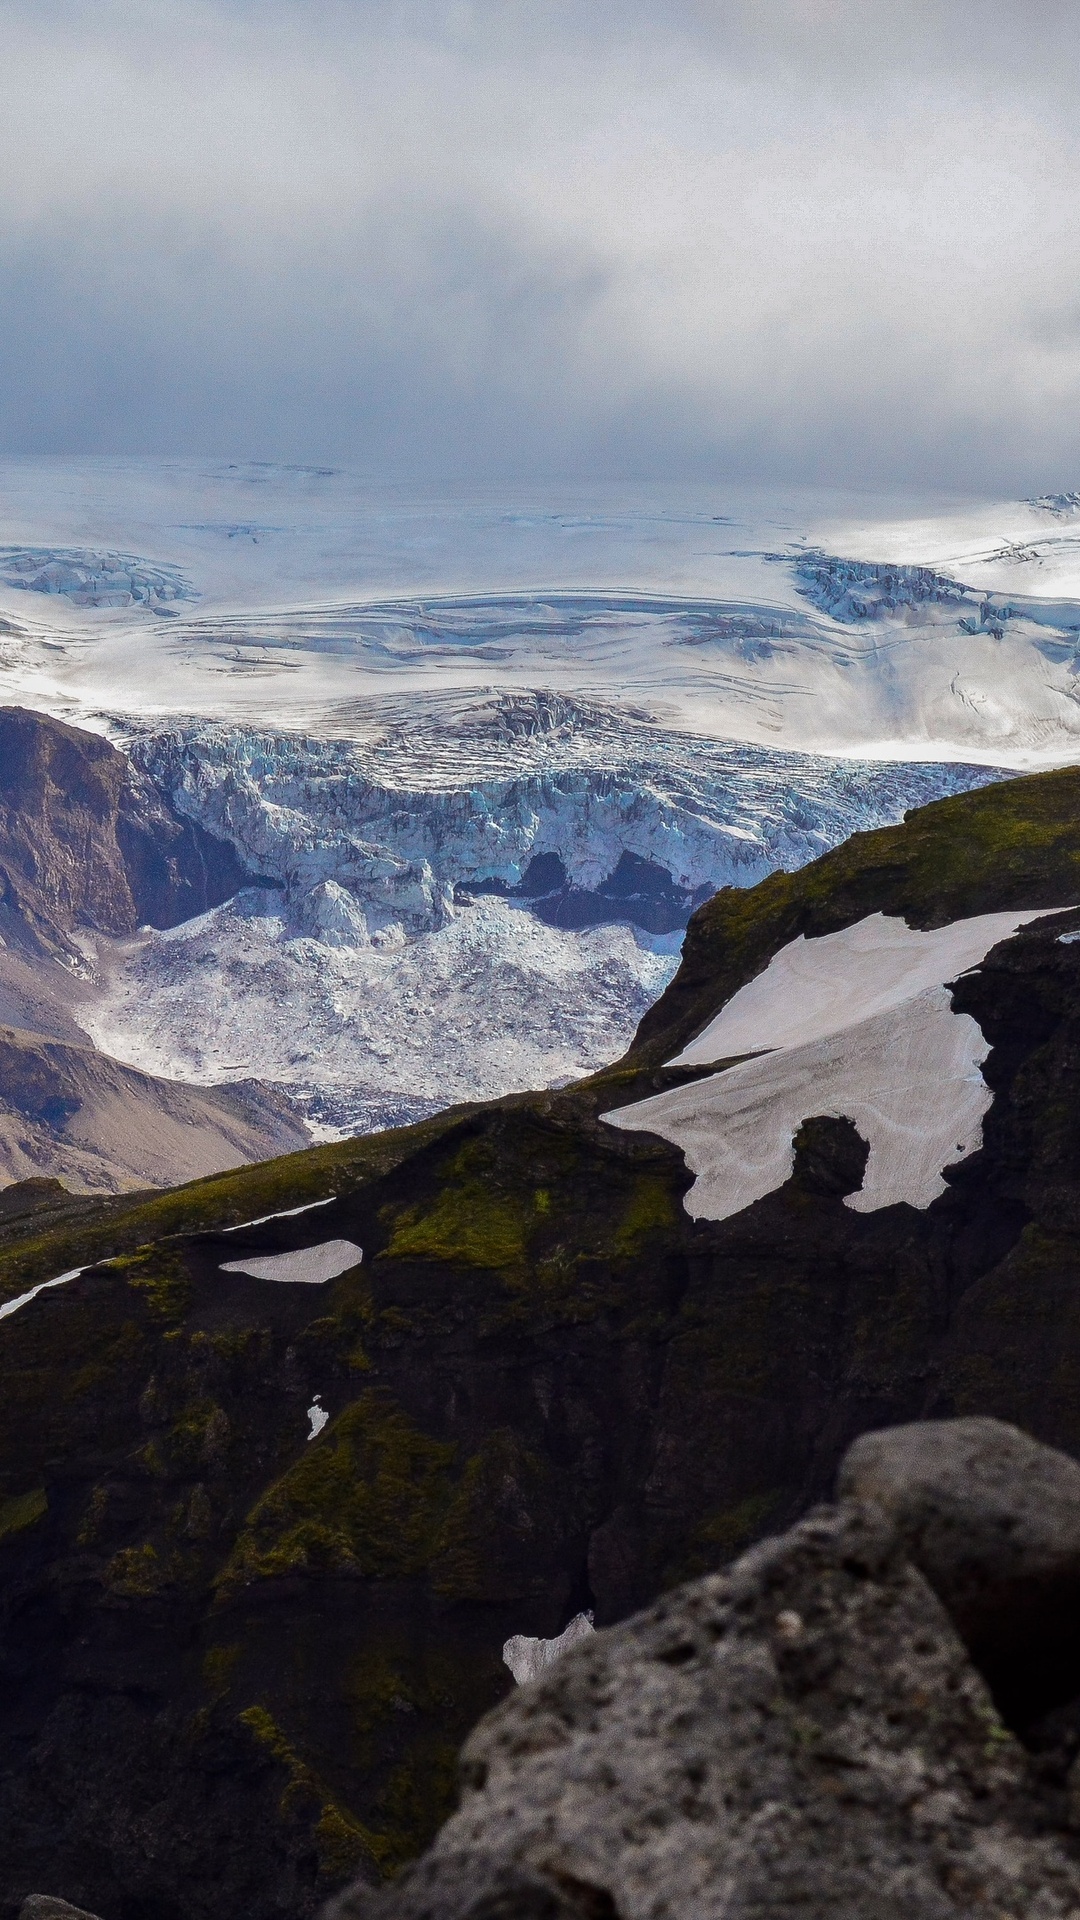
{"x": 812, "y": 239}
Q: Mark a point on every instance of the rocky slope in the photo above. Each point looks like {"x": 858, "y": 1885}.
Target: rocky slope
{"x": 69, "y": 1112}
{"x": 238, "y": 1660}
{"x": 89, "y": 847}
{"x": 812, "y": 1732}
{"x": 86, "y": 842}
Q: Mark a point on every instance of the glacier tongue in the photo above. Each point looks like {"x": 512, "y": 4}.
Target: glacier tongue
{"x": 366, "y": 1036}
{"x": 374, "y": 839}
{"x": 483, "y": 898}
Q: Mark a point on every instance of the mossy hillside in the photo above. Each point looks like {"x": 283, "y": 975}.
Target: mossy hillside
{"x": 34, "y": 1249}
{"x": 403, "y": 1712}
{"x": 378, "y": 1498}
{"x": 548, "y": 1387}
{"x": 342, "y": 1844}
{"x": 369, "y": 1500}
{"x": 1014, "y": 844}
{"x": 527, "y": 1219}
{"x": 23, "y": 1510}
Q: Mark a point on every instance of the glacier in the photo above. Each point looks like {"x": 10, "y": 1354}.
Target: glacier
{"x": 482, "y": 751}
{"x": 484, "y": 900}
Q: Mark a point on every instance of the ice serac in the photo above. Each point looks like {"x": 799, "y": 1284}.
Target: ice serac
{"x": 474, "y": 898}
{"x": 588, "y": 811}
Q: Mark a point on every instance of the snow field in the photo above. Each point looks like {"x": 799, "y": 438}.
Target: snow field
{"x": 308, "y": 1266}
{"x": 858, "y": 1025}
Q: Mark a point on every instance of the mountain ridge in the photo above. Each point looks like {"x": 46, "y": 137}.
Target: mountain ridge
{"x": 548, "y": 1389}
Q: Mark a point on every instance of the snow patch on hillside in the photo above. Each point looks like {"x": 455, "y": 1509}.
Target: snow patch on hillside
{"x": 857, "y": 1025}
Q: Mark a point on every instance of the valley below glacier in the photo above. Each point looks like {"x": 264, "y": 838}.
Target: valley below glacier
{"x": 480, "y": 756}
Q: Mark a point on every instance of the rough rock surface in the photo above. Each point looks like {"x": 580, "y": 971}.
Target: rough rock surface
{"x": 804, "y": 1734}
{"x": 993, "y": 1520}
{"x": 45, "y": 1906}
{"x": 86, "y": 841}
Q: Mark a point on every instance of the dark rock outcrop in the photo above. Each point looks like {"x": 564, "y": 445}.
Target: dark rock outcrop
{"x": 803, "y": 1734}
{"x": 45, "y": 1906}
{"x": 85, "y": 840}
{"x": 236, "y": 1664}
{"x": 993, "y": 1521}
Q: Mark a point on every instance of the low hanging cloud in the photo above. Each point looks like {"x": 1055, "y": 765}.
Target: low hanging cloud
{"x": 816, "y": 239}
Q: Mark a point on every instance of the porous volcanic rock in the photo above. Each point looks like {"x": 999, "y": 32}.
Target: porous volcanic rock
{"x": 992, "y": 1519}
{"x": 46, "y": 1906}
{"x": 804, "y": 1734}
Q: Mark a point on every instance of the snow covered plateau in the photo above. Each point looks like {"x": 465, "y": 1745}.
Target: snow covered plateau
{"x": 482, "y": 754}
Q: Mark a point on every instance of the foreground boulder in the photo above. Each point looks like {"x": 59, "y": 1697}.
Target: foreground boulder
{"x": 45, "y": 1906}
{"x": 805, "y": 1734}
{"x": 993, "y": 1521}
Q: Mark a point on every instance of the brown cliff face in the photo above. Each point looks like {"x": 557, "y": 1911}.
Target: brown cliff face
{"x": 85, "y": 841}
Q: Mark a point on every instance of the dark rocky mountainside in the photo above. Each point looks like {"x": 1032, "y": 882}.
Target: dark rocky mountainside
{"x": 236, "y": 1664}
{"x": 86, "y": 841}
{"x": 811, "y": 1733}
{"x": 88, "y": 845}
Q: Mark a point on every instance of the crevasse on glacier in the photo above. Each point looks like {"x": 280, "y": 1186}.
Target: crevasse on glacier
{"x": 475, "y": 898}
{"x": 377, "y": 840}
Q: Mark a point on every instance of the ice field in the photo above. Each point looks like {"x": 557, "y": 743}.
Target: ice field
{"x": 482, "y": 753}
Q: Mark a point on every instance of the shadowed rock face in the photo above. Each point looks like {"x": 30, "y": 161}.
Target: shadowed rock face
{"x": 804, "y": 1734}
{"x": 993, "y": 1521}
{"x": 237, "y": 1663}
{"x": 86, "y": 841}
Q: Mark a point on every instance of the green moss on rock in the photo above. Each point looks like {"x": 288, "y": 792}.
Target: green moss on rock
{"x": 162, "y": 1279}
{"x": 367, "y": 1498}
{"x": 470, "y": 1222}
{"x": 22, "y": 1511}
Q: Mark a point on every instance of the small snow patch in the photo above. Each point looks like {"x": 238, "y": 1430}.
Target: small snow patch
{"x": 318, "y": 1416}
{"x": 287, "y": 1213}
{"x": 12, "y": 1306}
{"x": 309, "y": 1265}
{"x": 527, "y": 1658}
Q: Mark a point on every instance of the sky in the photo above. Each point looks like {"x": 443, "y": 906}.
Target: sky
{"x": 826, "y": 241}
